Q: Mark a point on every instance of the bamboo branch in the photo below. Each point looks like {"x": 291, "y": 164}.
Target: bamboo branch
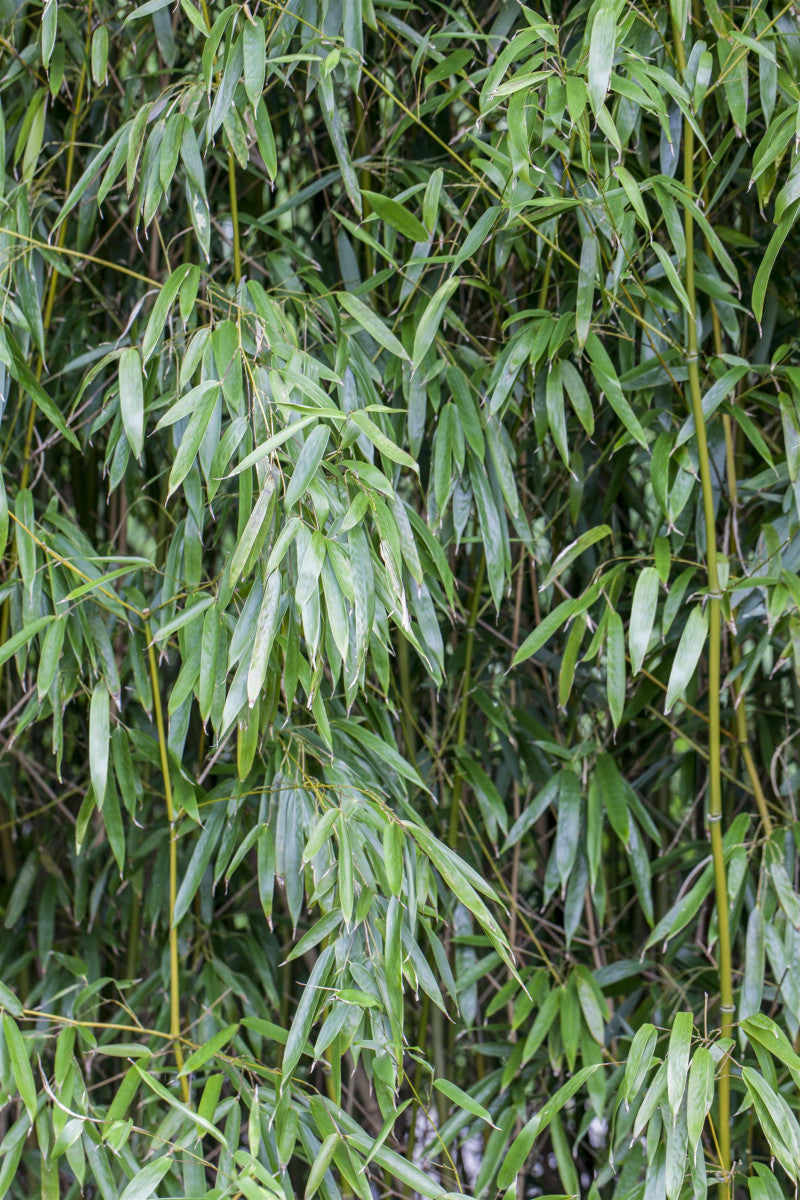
{"x": 237, "y": 253}
{"x": 174, "y": 976}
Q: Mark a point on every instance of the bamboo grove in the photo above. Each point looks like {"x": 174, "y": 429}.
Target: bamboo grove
{"x": 399, "y": 599}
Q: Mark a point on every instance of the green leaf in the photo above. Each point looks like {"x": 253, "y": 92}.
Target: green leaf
{"x": 99, "y": 54}
{"x": 9, "y": 1001}
{"x": 615, "y": 667}
{"x": 574, "y": 550}
{"x": 20, "y": 639}
{"x": 319, "y": 1166}
{"x": 266, "y": 139}
{"x": 192, "y": 437}
{"x": 700, "y": 1094}
{"x": 396, "y": 215}
{"x": 763, "y": 1030}
{"x": 371, "y": 323}
{"x": 430, "y": 320}
{"x": 253, "y": 531}
{"x": 765, "y": 267}
{"x": 640, "y": 1058}
{"x": 266, "y": 629}
{"x": 456, "y": 1096}
{"x": 145, "y": 10}
{"x": 690, "y": 647}
{"x": 20, "y": 1064}
{"x": 99, "y": 740}
{"x": 593, "y": 1007}
{"x": 26, "y": 545}
{"x": 381, "y": 442}
{"x": 586, "y": 280}
{"x": 307, "y": 464}
{"x": 643, "y": 614}
{"x": 335, "y": 126}
{"x": 158, "y": 317}
{"x": 254, "y": 48}
{"x": 173, "y": 1102}
{"x": 27, "y": 380}
{"x": 614, "y": 796}
{"x": 578, "y": 395}
{"x": 602, "y": 45}
{"x": 201, "y": 856}
{"x": 556, "y": 419}
{"x": 49, "y": 27}
{"x": 304, "y": 1016}
{"x": 777, "y": 1121}
{"x": 551, "y": 624}
{"x": 523, "y": 1144}
{"x": 4, "y": 517}
{"x": 680, "y": 1041}
{"x": 217, "y": 1042}
{"x": 393, "y": 856}
{"x": 131, "y": 399}
{"x": 652, "y": 1098}
{"x": 145, "y": 1182}
{"x": 309, "y": 569}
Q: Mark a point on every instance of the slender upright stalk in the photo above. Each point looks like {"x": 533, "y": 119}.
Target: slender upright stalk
{"x": 714, "y": 647}
{"x": 174, "y": 977}
{"x": 740, "y": 712}
{"x": 237, "y": 253}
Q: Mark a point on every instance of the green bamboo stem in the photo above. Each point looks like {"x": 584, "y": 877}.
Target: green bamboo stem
{"x": 237, "y": 253}
{"x": 714, "y": 652}
{"x": 740, "y": 712}
{"x": 174, "y": 975}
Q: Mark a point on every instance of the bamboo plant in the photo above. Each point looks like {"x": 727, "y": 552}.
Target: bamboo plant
{"x": 399, "y": 601}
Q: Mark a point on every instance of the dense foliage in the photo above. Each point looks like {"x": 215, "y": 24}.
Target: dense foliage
{"x": 400, "y": 617}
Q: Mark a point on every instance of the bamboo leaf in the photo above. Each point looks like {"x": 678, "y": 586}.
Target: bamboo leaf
{"x": 762, "y": 279}
{"x": 574, "y": 550}
{"x": 602, "y": 45}
{"x": 678, "y": 1058}
{"x": 615, "y": 679}
{"x": 643, "y": 614}
{"x": 307, "y": 464}
{"x": 700, "y": 1094}
{"x": 131, "y": 399}
{"x": 99, "y": 740}
{"x": 640, "y": 1059}
{"x": 430, "y": 320}
{"x": 371, "y": 323}
{"x": 690, "y": 647}
{"x": 21, "y": 638}
{"x": 463, "y": 1100}
{"x": 396, "y": 215}
{"x": 20, "y": 1064}
{"x": 586, "y": 280}
{"x": 306, "y": 1010}
{"x": 206, "y": 1052}
{"x": 320, "y": 1164}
